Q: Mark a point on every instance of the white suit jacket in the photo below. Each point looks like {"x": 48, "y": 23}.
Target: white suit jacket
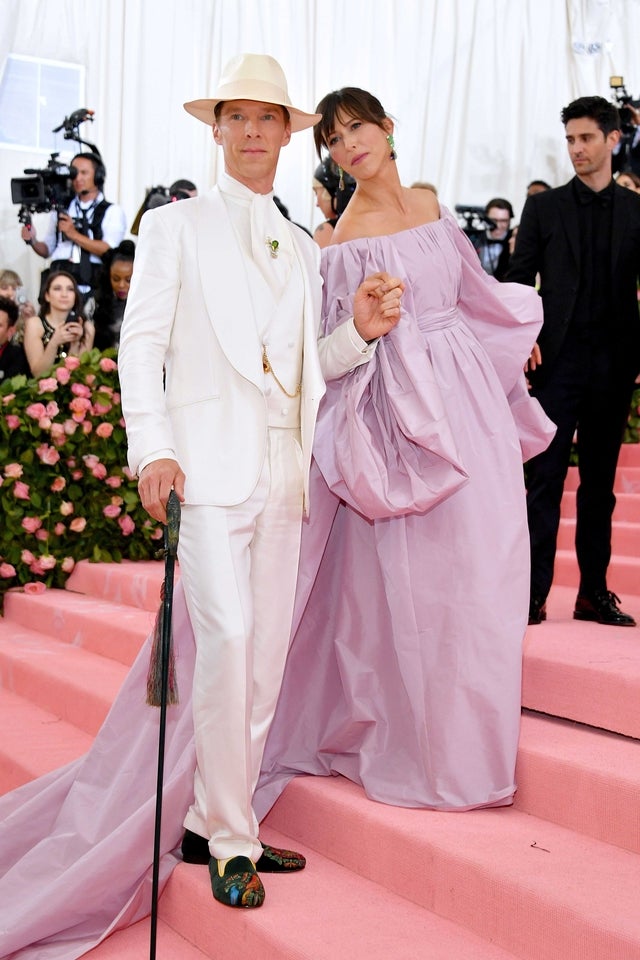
{"x": 189, "y": 310}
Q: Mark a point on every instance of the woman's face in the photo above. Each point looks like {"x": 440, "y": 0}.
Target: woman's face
{"x": 120, "y": 277}
{"x": 358, "y": 146}
{"x": 8, "y": 290}
{"x": 323, "y": 200}
{"x": 625, "y": 181}
{"x": 61, "y": 294}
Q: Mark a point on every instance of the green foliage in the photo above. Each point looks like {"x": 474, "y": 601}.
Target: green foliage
{"x": 65, "y": 491}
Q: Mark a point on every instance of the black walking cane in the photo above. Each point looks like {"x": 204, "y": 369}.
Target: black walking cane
{"x": 161, "y": 687}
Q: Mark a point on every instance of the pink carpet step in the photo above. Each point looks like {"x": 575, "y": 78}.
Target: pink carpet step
{"x": 627, "y": 479}
{"x": 74, "y": 684}
{"x": 623, "y": 575}
{"x": 629, "y": 455}
{"x": 133, "y": 944}
{"x": 530, "y": 886}
{"x": 625, "y": 538}
{"x": 135, "y": 584}
{"x": 112, "y": 630}
{"x": 326, "y": 912}
{"x": 34, "y": 741}
{"x": 584, "y": 671}
{"x": 584, "y": 779}
{"x": 627, "y": 507}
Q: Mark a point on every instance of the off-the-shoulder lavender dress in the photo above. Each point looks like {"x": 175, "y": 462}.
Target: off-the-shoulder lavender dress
{"x": 405, "y": 666}
{"x": 404, "y": 671}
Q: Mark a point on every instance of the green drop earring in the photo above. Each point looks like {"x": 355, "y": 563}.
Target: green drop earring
{"x": 392, "y": 145}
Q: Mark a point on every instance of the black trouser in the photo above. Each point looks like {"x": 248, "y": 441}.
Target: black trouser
{"x": 585, "y": 394}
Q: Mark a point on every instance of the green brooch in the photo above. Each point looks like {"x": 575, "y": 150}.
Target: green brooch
{"x": 273, "y": 247}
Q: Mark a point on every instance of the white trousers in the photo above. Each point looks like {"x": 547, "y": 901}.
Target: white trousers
{"x": 239, "y": 566}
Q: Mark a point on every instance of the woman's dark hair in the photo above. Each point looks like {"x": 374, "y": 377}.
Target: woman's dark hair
{"x": 54, "y": 275}
{"x": 103, "y": 318}
{"x": 349, "y": 102}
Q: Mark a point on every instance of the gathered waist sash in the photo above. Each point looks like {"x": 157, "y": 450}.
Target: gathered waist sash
{"x": 438, "y": 319}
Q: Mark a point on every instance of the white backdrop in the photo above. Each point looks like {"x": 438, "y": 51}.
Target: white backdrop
{"x": 475, "y": 86}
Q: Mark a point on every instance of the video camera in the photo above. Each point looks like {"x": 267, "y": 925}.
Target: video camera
{"x": 622, "y": 101}
{"x": 50, "y": 188}
{"x": 474, "y": 220}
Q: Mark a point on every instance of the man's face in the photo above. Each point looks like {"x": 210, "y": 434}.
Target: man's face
{"x": 6, "y": 331}
{"x": 251, "y": 135}
{"x": 84, "y": 181}
{"x": 502, "y": 220}
{"x": 589, "y": 149}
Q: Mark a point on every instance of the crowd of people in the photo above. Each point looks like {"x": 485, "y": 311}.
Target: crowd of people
{"x": 364, "y": 419}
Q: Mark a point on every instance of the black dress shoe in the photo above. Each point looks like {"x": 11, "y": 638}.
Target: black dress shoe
{"x": 239, "y": 885}
{"x": 537, "y": 610}
{"x": 195, "y": 849}
{"x": 602, "y": 607}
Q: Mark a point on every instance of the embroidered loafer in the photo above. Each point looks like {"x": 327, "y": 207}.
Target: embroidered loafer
{"x": 239, "y": 885}
{"x": 195, "y": 849}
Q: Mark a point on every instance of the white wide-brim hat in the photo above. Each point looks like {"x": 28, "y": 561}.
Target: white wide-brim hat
{"x": 252, "y": 76}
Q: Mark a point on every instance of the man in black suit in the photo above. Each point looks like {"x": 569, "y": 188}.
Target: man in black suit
{"x": 12, "y": 357}
{"x": 584, "y": 240}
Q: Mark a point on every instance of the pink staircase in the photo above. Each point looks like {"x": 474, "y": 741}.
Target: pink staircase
{"x": 555, "y": 877}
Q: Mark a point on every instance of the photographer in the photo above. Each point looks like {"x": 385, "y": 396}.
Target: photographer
{"x": 78, "y": 237}
{"x": 493, "y": 244}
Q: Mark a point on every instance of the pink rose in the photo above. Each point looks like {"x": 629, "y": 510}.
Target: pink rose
{"x": 52, "y": 409}
{"x": 59, "y": 529}
{"x": 44, "y": 423}
{"x": 90, "y": 378}
{"x": 114, "y": 482}
{"x": 27, "y": 557}
{"x": 62, "y": 375}
{"x": 91, "y": 460}
{"x": 157, "y": 534}
{"x": 116, "y": 397}
{"x": 7, "y": 570}
{"x": 122, "y": 423}
{"x": 78, "y": 524}
{"x": 68, "y": 564}
{"x": 128, "y": 474}
{"x": 8, "y": 398}
{"x": 66, "y": 508}
{"x": 70, "y": 427}
{"x": 99, "y": 409}
{"x": 112, "y": 511}
{"x": 36, "y": 411}
{"x": 79, "y": 407}
{"x": 107, "y": 365}
{"x": 104, "y": 430}
{"x": 79, "y": 390}
{"x": 31, "y": 524}
{"x": 87, "y": 426}
{"x": 13, "y": 421}
{"x": 36, "y": 586}
{"x": 72, "y": 363}
{"x": 13, "y": 471}
{"x": 57, "y": 431}
{"x": 99, "y": 472}
{"x": 117, "y": 501}
{"x": 77, "y": 475}
{"x": 42, "y": 534}
{"x": 48, "y": 562}
{"x": 126, "y": 525}
{"x": 48, "y": 455}
{"x": 21, "y": 490}
{"x": 47, "y": 385}
{"x": 58, "y": 484}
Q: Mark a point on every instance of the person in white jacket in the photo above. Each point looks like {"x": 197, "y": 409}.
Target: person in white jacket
{"x": 222, "y": 374}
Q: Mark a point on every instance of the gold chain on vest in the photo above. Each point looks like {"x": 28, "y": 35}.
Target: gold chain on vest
{"x": 266, "y": 366}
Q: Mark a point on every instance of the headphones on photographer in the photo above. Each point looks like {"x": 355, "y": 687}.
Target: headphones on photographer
{"x": 99, "y": 169}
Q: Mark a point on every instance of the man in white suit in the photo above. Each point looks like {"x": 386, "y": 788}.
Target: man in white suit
{"x": 225, "y": 299}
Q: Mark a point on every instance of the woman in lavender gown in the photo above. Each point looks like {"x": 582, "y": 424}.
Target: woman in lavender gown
{"x": 404, "y": 672}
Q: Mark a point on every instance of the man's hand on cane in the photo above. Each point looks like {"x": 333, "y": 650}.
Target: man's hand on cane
{"x": 156, "y": 482}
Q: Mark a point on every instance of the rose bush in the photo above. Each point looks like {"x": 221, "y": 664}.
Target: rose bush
{"x": 65, "y": 490}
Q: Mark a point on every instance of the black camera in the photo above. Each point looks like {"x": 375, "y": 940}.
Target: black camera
{"x": 43, "y": 190}
{"x": 474, "y": 220}
{"x": 622, "y": 101}
{"x": 51, "y": 188}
